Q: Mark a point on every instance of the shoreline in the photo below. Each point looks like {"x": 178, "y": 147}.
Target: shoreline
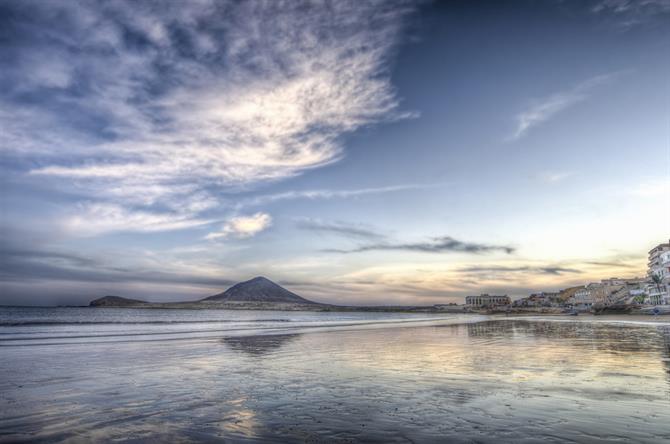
{"x": 324, "y": 308}
{"x": 150, "y": 332}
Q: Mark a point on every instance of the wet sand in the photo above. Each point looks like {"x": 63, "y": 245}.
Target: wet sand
{"x": 500, "y": 380}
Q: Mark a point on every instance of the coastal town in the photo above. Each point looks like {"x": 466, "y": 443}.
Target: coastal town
{"x": 628, "y": 295}
{"x": 649, "y": 294}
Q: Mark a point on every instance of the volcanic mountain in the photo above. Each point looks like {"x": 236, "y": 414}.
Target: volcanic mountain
{"x": 258, "y": 289}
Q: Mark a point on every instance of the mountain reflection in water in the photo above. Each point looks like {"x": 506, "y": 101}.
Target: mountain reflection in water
{"x": 258, "y": 345}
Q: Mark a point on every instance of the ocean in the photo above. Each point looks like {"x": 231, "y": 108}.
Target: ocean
{"x": 148, "y": 375}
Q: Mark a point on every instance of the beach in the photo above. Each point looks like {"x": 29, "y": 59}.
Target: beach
{"x": 81, "y": 375}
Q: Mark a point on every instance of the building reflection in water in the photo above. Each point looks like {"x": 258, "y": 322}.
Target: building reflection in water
{"x": 603, "y": 336}
{"x": 607, "y": 341}
{"x": 666, "y": 355}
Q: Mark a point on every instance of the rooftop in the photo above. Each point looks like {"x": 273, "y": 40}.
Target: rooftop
{"x": 660, "y": 247}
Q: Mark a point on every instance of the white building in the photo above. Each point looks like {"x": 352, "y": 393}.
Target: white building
{"x": 583, "y": 298}
{"x": 659, "y": 265}
{"x": 486, "y": 300}
{"x": 665, "y": 264}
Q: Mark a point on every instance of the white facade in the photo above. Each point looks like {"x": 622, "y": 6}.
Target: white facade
{"x": 664, "y": 261}
{"x": 486, "y": 300}
{"x": 665, "y": 268}
{"x": 582, "y": 298}
{"x": 659, "y": 265}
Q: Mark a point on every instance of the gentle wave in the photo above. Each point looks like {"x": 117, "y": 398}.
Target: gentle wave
{"x": 58, "y": 323}
{"x": 22, "y": 339}
{"x": 19, "y": 333}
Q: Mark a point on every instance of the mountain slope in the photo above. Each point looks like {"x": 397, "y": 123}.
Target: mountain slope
{"x": 258, "y": 289}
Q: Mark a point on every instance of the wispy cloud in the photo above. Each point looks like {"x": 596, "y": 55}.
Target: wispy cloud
{"x": 328, "y": 194}
{"x": 199, "y": 96}
{"x": 546, "y": 108}
{"x": 350, "y": 230}
{"x": 444, "y": 244}
{"x": 91, "y": 219}
{"x": 610, "y": 264}
{"x": 497, "y": 269}
{"x": 630, "y": 13}
{"x": 140, "y": 213}
{"x": 554, "y": 176}
{"x": 242, "y": 227}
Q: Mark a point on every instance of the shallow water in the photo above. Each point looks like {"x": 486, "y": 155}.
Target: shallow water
{"x": 146, "y": 375}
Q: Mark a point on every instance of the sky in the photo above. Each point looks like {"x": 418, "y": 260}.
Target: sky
{"x": 356, "y": 152}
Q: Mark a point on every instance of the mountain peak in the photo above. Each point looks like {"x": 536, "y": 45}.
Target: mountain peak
{"x": 258, "y": 289}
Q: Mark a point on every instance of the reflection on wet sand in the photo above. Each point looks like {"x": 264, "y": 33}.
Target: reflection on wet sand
{"x": 240, "y": 421}
{"x": 258, "y": 345}
{"x": 628, "y": 338}
{"x": 666, "y": 358}
{"x": 597, "y": 345}
{"x": 499, "y": 381}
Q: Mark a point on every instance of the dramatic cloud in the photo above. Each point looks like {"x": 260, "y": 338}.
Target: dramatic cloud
{"x": 340, "y": 228}
{"x": 174, "y": 98}
{"x": 443, "y": 244}
{"x": 160, "y": 148}
{"x": 546, "y": 108}
{"x": 242, "y": 226}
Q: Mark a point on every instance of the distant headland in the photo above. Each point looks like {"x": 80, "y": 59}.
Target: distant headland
{"x": 256, "y": 293}
{"x": 259, "y": 293}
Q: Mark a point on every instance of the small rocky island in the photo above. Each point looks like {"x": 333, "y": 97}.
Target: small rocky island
{"x": 115, "y": 301}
